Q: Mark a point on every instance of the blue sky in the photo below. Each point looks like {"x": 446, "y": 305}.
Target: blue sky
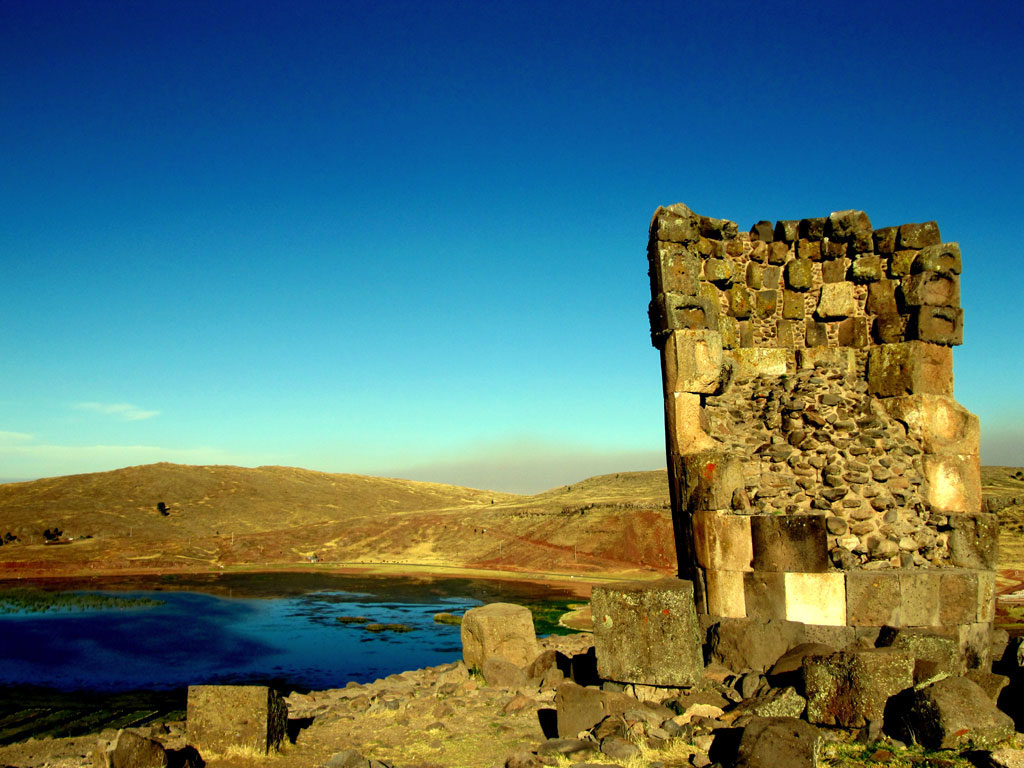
{"x": 409, "y": 238}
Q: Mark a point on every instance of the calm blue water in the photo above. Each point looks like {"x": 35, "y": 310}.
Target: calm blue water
{"x": 245, "y": 629}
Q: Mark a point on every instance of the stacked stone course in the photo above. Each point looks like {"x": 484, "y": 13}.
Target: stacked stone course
{"x": 820, "y": 469}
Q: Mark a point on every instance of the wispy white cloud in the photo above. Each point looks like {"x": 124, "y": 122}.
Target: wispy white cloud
{"x": 8, "y": 438}
{"x": 123, "y": 411}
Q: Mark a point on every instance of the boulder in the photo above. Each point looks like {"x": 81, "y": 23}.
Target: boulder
{"x": 499, "y": 673}
{"x": 347, "y": 758}
{"x": 850, "y": 688}
{"x": 247, "y": 717}
{"x": 774, "y": 742}
{"x": 132, "y": 750}
{"x": 580, "y": 709}
{"x": 952, "y": 713}
{"x": 498, "y": 630}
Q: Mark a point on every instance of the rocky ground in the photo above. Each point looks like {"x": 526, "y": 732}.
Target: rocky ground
{"x": 506, "y": 717}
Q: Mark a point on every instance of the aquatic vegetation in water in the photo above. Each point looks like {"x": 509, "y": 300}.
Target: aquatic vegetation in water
{"x": 447, "y": 618}
{"x": 387, "y": 628}
{"x": 353, "y": 620}
{"x": 26, "y": 600}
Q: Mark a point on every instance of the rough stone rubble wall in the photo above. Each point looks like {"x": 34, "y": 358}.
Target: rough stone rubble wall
{"x": 820, "y": 469}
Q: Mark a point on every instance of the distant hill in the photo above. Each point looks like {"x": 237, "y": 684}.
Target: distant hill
{"x": 170, "y": 517}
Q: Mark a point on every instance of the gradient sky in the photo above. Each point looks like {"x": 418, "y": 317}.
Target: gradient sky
{"x": 409, "y": 238}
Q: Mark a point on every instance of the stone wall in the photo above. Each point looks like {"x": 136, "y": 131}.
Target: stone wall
{"x": 820, "y": 469}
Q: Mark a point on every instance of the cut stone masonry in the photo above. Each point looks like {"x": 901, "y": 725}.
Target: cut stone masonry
{"x": 820, "y": 470}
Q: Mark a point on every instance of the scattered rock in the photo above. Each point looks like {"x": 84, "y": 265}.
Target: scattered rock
{"x": 498, "y": 630}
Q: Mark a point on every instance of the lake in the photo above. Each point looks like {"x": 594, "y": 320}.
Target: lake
{"x": 282, "y": 629}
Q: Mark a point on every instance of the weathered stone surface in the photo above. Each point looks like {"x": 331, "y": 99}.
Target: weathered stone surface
{"x": 742, "y": 645}
{"x": 762, "y": 231}
{"x": 1006, "y": 758}
{"x": 944, "y": 259}
{"x": 132, "y": 750}
{"x": 834, "y": 270}
{"x": 499, "y": 673}
{"x": 677, "y": 311}
{"x": 931, "y": 289}
{"x": 885, "y": 239}
{"x": 709, "y": 480}
{"x": 910, "y": 367}
{"x": 674, "y": 268}
{"x": 764, "y": 594}
{"x": 837, "y": 301}
{"x": 676, "y": 223}
{"x": 812, "y": 229}
{"x": 725, "y": 593}
{"x": 765, "y": 302}
{"x": 722, "y": 540}
{"x": 848, "y": 225}
{"x": 881, "y": 298}
{"x": 954, "y": 483}
{"x": 936, "y": 325}
{"x": 498, "y": 630}
{"x": 872, "y": 598}
{"x": 760, "y": 361}
{"x": 952, "y": 713}
{"x": 854, "y": 332}
{"x": 808, "y": 250}
{"x": 918, "y": 235}
{"x": 775, "y": 742}
{"x": 921, "y": 591}
{"x": 739, "y": 302}
{"x": 974, "y": 541}
{"x": 647, "y": 632}
{"x": 866, "y": 268}
{"x": 347, "y": 758}
{"x": 247, "y": 717}
{"x": 686, "y": 424}
{"x": 692, "y": 361}
{"x": 943, "y": 652}
{"x": 718, "y": 229}
{"x": 719, "y": 272}
{"x": 787, "y": 231}
{"x": 789, "y": 543}
{"x": 799, "y": 274}
{"x": 991, "y": 683}
{"x": 938, "y": 422}
{"x": 850, "y": 688}
{"x": 776, "y": 702}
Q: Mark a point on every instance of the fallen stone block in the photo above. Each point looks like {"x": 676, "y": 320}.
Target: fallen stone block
{"x": 499, "y": 630}
{"x": 743, "y": 645}
{"x": 774, "y": 742}
{"x": 952, "y": 713}
{"x": 248, "y": 718}
{"x": 647, "y": 632}
{"x": 499, "y": 673}
{"x": 942, "y": 652}
{"x": 131, "y": 750}
{"x": 850, "y": 688}
{"x": 580, "y": 709}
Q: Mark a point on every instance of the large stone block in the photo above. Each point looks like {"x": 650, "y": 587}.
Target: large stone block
{"x": 710, "y": 480}
{"x": 837, "y": 300}
{"x": 942, "y": 652}
{"x": 816, "y": 598}
{"x": 249, "y": 718}
{"x": 881, "y": 298}
{"x": 953, "y": 482}
{"x": 674, "y": 269}
{"x": 677, "y": 311}
{"x": 647, "y": 632}
{"x": 851, "y": 688}
{"x": 910, "y": 367}
{"x": 675, "y": 223}
{"x": 764, "y": 594}
{"x": 840, "y": 358}
{"x": 692, "y": 361}
{"x": 799, "y": 274}
{"x": 938, "y": 422}
{"x": 952, "y": 713}
{"x": 752, "y": 644}
{"x": 761, "y": 361}
{"x": 942, "y": 257}
{"x": 920, "y": 597}
{"x": 848, "y": 225}
{"x": 579, "y": 708}
{"x": 958, "y": 602}
{"x": 918, "y": 235}
{"x": 789, "y": 543}
{"x": 498, "y": 630}
{"x": 974, "y": 541}
{"x": 722, "y": 540}
{"x": 779, "y": 742}
{"x": 934, "y": 289}
{"x": 872, "y": 598}
{"x": 725, "y": 594}
{"x": 936, "y": 325}
{"x": 986, "y": 597}
{"x": 685, "y": 424}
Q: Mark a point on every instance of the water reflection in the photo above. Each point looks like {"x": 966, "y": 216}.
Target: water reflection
{"x": 281, "y": 629}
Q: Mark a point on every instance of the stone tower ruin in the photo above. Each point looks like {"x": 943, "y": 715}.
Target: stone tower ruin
{"x": 820, "y": 469}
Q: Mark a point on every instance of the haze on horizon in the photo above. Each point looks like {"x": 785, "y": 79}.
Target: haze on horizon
{"x": 408, "y": 239}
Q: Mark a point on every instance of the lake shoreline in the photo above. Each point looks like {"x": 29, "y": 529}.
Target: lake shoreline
{"x": 578, "y": 584}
